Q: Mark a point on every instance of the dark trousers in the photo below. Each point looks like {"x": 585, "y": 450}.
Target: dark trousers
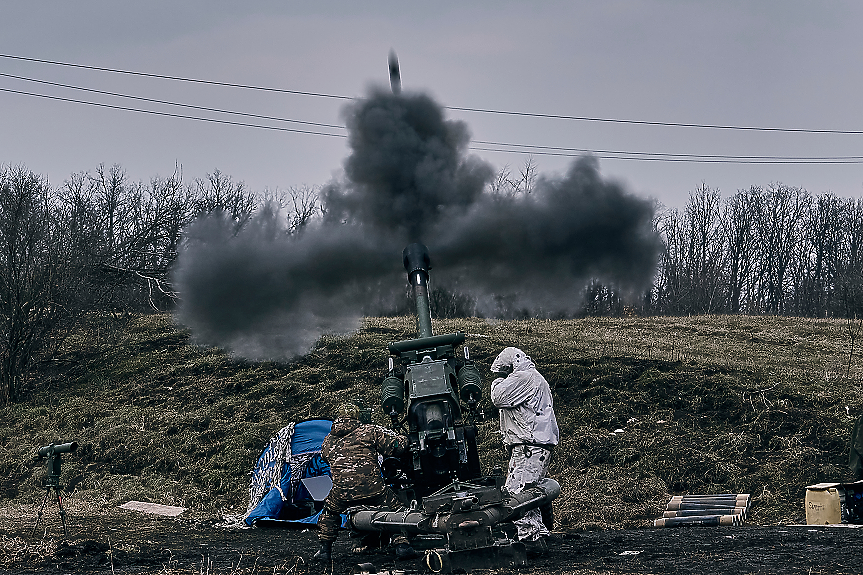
{"x": 331, "y": 516}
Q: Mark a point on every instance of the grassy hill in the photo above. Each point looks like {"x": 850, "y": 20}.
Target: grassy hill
{"x": 760, "y": 405}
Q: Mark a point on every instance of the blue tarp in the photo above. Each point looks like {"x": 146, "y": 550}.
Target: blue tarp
{"x": 309, "y": 435}
{"x": 289, "y": 502}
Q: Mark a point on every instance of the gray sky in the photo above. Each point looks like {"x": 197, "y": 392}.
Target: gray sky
{"x": 781, "y": 64}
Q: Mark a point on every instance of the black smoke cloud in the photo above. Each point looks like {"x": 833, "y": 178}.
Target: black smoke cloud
{"x": 264, "y": 294}
{"x": 539, "y": 248}
{"x": 408, "y": 169}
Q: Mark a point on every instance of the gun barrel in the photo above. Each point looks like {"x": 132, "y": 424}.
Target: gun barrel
{"x": 417, "y": 263}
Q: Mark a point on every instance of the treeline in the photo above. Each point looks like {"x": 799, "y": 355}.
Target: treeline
{"x": 775, "y": 250}
{"x": 100, "y": 242}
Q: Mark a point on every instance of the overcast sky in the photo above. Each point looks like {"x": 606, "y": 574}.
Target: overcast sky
{"x": 789, "y": 64}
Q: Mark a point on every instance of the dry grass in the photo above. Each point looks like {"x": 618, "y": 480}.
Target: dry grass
{"x": 758, "y": 405}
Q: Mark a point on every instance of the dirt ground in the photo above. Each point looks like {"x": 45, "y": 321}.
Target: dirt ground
{"x": 128, "y": 542}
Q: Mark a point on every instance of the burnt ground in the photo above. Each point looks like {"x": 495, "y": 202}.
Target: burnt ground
{"x": 126, "y": 542}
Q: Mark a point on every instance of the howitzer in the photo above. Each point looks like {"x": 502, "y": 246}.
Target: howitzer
{"x": 432, "y": 396}
{"x": 430, "y": 383}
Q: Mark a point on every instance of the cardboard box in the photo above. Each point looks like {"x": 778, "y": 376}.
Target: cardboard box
{"x": 834, "y": 503}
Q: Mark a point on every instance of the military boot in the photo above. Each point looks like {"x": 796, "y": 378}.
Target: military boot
{"x": 325, "y": 553}
{"x": 535, "y": 548}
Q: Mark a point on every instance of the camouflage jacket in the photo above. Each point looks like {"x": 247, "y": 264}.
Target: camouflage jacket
{"x": 855, "y": 453}
{"x": 351, "y": 450}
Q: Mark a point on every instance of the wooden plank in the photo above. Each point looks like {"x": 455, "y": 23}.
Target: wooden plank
{"x": 153, "y": 508}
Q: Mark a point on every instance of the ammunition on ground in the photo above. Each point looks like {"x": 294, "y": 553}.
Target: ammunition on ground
{"x": 702, "y": 520}
{"x": 708, "y": 511}
{"x": 721, "y": 497}
{"x": 711, "y": 496}
{"x": 705, "y": 510}
{"x": 687, "y": 504}
{"x": 682, "y": 506}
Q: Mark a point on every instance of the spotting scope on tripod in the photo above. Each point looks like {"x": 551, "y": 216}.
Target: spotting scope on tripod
{"x": 52, "y": 453}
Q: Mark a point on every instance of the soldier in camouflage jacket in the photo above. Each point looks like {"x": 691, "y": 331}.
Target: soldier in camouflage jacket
{"x": 351, "y": 450}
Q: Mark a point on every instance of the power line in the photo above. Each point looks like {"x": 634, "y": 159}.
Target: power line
{"x": 172, "y": 115}
{"x": 652, "y": 123}
{"x": 168, "y": 103}
{"x": 478, "y": 145}
{"x": 561, "y": 150}
{"x": 177, "y": 78}
{"x": 457, "y": 108}
{"x": 649, "y": 157}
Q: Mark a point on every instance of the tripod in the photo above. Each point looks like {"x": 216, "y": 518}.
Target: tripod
{"x": 52, "y": 485}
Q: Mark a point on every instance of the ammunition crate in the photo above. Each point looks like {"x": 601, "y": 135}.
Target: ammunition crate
{"x": 834, "y": 503}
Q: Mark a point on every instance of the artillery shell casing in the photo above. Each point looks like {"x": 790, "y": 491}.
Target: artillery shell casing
{"x": 702, "y": 521}
{"x": 710, "y": 495}
{"x": 702, "y": 512}
{"x": 676, "y": 505}
{"x": 711, "y": 498}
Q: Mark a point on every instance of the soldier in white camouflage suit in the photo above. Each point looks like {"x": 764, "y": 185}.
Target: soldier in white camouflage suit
{"x": 351, "y": 449}
{"x": 530, "y": 432}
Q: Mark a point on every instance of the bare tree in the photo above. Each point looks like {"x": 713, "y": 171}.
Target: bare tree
{"x": 450, "y": 303}
{"x": 128, "y": 234}
{"x": 527, "y": 176}
{"x": 299, "y": 204}
{"x": 849, "y": 262}
{"x": 690, "y": 277}
{"x": 779, "y": 225}
{"x": 218, "y": 193}
{"x": 820, "y": 260}
{"x": 705, "y": 251}
{"x": 671, "y": 286}
{"x": 162, "y": 210}
{"x": 738, "y": 225}
{"x": 777, "y": 250}
{"x": 38, "y": 276}
{"x": 500, "y": 184}
{"x": 506, "y": 184}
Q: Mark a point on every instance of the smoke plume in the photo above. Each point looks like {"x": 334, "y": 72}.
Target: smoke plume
{"x": 265, "y": 294}
{"x": 538, "y": 249}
